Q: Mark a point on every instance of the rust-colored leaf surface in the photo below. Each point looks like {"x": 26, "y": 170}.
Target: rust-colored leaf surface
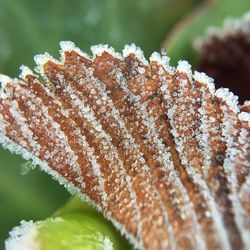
{"x": 157, "y": 149}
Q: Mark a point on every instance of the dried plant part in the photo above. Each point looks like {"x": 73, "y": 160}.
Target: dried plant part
{"x": 162, "y": 154}
{"x": 225, "y": 55}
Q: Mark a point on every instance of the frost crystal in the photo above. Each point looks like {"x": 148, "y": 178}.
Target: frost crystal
{"x": 23, "y": 237}
{"x": 27, "y": 167}
{"x": 3, "y": 81}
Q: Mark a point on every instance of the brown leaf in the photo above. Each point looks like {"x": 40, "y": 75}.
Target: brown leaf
{"x": 161, "y": 153}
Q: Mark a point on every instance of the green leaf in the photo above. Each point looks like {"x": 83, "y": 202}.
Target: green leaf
{"x": 24, "y": 197}
{"x": 76, "y": 226}
{"x": 213, "y": 13}
{"x": 79, "y": 226}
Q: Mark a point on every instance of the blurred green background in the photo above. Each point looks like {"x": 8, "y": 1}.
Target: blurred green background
{"x": 28, "y": 27}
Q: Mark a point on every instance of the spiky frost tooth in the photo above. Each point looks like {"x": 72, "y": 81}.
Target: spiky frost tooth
{"x": 25, "y": 71}
{"x": 136, "y": 51}
{"x": 40, "y": 60}
{"x": 121, "y": 101}
{"x": 68, "y": 46}
{"x": 162, "y": 60}
{"x": 98, "y": 50}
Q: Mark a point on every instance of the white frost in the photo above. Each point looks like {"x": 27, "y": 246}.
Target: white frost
{"x": 244, "y": 116}
{"x": 133, "y": 49}
{"x": 246, "y": 103}
{"x": 99, "y": 49}
{"x": 23, "y": 237}
{"x": 184, "y": 67}
{"x": 229, "y": 98}
{"x": 42, "y": 59}
{"x": 25, "y": 71}
{"x": 68, "y": 46}
{"x": 203, "y": 78}
{"x": 162, "y": 60}
{"x": 107, "y": 244}
{"x": 3, "y": 81}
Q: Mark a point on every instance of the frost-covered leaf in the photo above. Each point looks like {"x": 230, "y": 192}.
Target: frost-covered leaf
{"x": 224, "y": 54}
{"x": 162, "y": 154}
{"x": 28, "y": 27}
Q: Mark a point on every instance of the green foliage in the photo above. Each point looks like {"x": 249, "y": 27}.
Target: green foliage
{"x": 78, "y": 225}
{"x": 32, "y": 196}
{"x": 29, "y": 27}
